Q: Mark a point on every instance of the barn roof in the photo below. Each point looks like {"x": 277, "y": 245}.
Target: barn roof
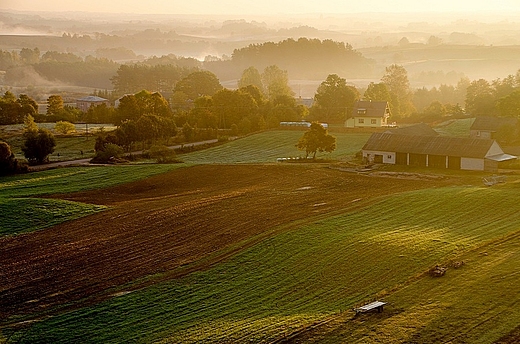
{"x": 372, "y": 109}
{"x": 91, "y": 99}
{"x": 420, "y": 129}
{"x": 433, "y": 145}
{"x": 492, "y": 123}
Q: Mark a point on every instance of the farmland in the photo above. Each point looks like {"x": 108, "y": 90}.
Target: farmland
{"x": 249, "y": 251}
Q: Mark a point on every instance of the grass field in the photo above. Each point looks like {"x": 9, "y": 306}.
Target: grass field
{"x": 270, "y": 145}
{"x": 68, "y": 147}
{"x": 22, "y": 214}
{"x": 457, "y": 127}
{"x": 358, "y": 238}
{"x": 319, "y": 270}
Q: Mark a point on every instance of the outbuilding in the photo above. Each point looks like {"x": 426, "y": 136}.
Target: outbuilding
{"x": 434, "y": 151}
{"x": 487, "y": 127}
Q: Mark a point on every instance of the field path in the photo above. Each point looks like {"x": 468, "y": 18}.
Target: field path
{"x": 166, "y": 224}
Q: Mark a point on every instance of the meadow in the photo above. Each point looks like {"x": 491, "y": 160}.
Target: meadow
{"x": 318, "y": 271}
{"x": 358, "y": 238}
{"x": 22, "y": 212}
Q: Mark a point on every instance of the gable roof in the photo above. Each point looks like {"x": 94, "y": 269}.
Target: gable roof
{"x": 433, "y": 145}
{"x": 489, "y": 123}
{"x": 91, "y": 99}
{"x": 420, "y": 129}
{"x": 372, "y": 108}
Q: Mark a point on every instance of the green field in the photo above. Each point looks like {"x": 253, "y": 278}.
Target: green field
{"x": 320, "y": 270}
{"x": 314, "y": 271}
{"x": 22, "y": 214}
{"x": 270, "y": 145}
{"x": 457, "y": 127}
{"x": 68, "y": 147}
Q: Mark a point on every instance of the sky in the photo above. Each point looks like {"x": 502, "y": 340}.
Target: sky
{"x": 265, "y": 7}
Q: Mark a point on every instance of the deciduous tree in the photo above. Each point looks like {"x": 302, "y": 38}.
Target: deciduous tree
{"x": 276, "y": 82}
{"x": 38, "y": 143}
{"x": 198, "y": 84}
{"x": 251, "y": 76}
{"x": 316, "y": 139}
{"x": 396, "y": 79}
{"x": 334, "y": 100}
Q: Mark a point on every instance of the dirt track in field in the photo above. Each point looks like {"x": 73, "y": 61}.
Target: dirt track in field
{"x": 168, "y": 221}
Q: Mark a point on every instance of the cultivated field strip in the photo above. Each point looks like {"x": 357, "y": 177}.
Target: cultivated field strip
{"x": 303, "y": 275}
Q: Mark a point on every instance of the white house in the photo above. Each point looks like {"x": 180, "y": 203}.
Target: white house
{"x": 369, "y": 114}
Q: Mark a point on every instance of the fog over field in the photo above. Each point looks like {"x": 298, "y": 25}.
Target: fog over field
{"x": 436, "y": 46}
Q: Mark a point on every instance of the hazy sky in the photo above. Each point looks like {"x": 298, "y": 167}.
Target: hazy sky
{"x": 232, "y": 7}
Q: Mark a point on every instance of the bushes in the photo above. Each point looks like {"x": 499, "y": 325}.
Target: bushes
{"x": 64, "y": 127}
{"x": 163, "y": 155}
{"x": 38, "y": 145}
{"x": 110, "y": 154}
{"x": 8, "y": 163}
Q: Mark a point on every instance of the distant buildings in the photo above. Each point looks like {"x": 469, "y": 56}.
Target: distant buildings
{"x": 86, "y": 102}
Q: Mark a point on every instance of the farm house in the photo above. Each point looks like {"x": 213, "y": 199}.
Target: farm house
{"x": 434, "y": 151}
{"x": 367, "y": 113}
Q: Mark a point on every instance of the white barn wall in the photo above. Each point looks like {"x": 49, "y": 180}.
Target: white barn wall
{"x": 472, "y": 164}
{"x": 388, "y": 157}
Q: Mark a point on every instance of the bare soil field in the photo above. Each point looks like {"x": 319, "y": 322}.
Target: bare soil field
{"x": 170, "y": 225}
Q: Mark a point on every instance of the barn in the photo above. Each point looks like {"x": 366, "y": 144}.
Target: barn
{"x": 434, "y": 151}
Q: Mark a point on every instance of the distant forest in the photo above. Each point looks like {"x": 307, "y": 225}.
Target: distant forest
{"x": 303, "y": 59}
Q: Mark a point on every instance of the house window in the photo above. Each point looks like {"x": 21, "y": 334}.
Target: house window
{"x": 389, "y": 156}
{"x": 362, "y": 111}
{"x": 373, "y": 121}
{"x": 478, "y": 133}
{"x": 361, "y": 120}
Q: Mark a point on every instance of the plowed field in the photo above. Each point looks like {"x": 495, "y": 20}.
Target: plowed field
{"x": 170, "y": 225}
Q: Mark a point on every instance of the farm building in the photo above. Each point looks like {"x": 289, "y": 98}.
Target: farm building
{"x": 434, "y": 151}
{"x": 86, "y": 102}
{"x": 369, "y": 114}
{"x": 486, "y": 127}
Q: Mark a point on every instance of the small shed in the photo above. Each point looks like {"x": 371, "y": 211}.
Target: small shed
{"x": 435, "y": 151}
{"x": 486, "y": 127}
{"x": 369, "y": 114}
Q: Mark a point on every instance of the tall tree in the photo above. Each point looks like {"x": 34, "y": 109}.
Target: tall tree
{"x": 54, "y": 105}
{"x": 198, "y": 84}
{"x": 334, "y": 100}
{"x": 231, "y": 106}
{"x": 480, "y": 99}
{"x": 377, "y": 92}
{"x": 251, "y": 76}
{"x": 38, "y": 142}
{"x": 276, "y": 82}
{"x": 509, "y": 105}
{"x": 396, "y": 79}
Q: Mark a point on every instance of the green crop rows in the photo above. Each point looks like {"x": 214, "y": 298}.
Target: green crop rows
{"x": 317, "y": 270}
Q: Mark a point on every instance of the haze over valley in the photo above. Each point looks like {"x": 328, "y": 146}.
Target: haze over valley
{"x": 435, "y": 48}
